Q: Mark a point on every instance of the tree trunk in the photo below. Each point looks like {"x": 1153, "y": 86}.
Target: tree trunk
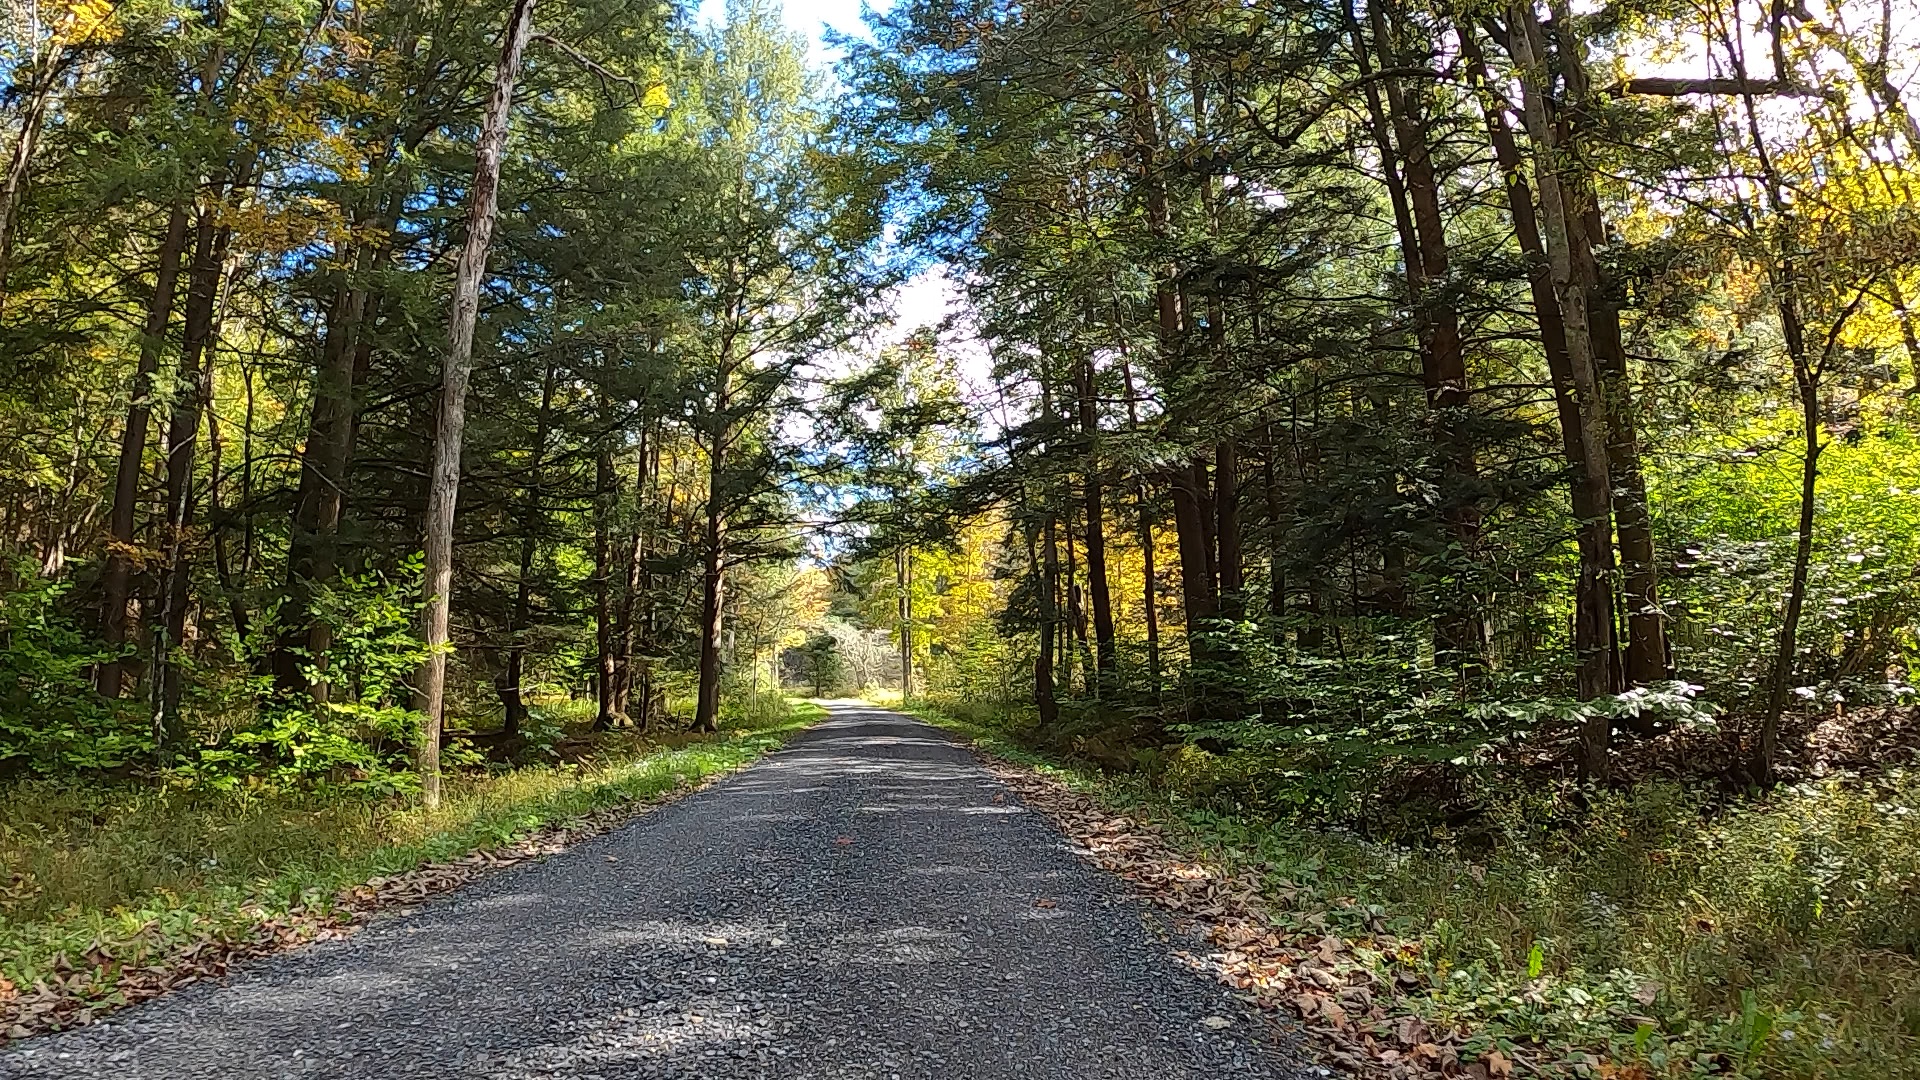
{"x": 1807, "y": 382}
{"x": 706, "y": 715}
{"x": 326, "y": 458}
{"x": 903, "y": 584}
{"x": 632, "y": 556}
{"x": 1645, "y": 656}
{"x": 603, "y": 499}
{"x": 1099, "y": 591}
{"x": 1196, "y": 579}
{"x": 512, "y": 686}
{"x": 183, "y": 427}
{"x": 1570, "y": 295}
{"x": 117, "y": 578}
{"x": 1226, "y": 505}
{"x": 1594, "y": 634}
{"x": 1049, "y": 584}
{"x": 1149, "y": 599}
{"x": 444, "y": 481}
{"x": 1462, "y": 631}
{"x": 1276, "y": 574}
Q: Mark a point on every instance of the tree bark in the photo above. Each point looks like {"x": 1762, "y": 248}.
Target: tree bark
{"x": 117, "y": 578}
{"x": 604, "y": 495}
{"x": 1462, "y": 631}
{"x": 1196, "y": 580}
{"x": 903, "y": 586}
{"x": 444, "y": 481}
{"x": 1050, "y": 624}
{"x": 194, "y": 388}
{"x": 1570, "y": 295}
{"x": 1149, "y": 600}
{"x": 706, "y": 715}
{"x": 512, "y": 688}
{"x": 1594, "y": 634}
{"x": 1807, "y": 383}
{"x": 1100, "y": 593}
{"x": 1230, "y": 557}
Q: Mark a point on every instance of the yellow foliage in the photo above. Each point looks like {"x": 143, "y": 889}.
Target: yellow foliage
{"x": 81, "y": 22}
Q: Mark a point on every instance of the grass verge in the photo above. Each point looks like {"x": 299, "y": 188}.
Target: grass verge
{"x": 115, "y": 893}
{"x": 1646, "y": 938}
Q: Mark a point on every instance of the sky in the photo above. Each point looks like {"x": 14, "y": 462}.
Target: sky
{"x": 932, "y": 295}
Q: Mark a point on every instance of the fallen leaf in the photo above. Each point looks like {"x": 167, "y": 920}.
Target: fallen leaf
{"x": 1498, "y": 1065}
{"x": 1045, "y": 902}
{"x": 1216, "y": 1023}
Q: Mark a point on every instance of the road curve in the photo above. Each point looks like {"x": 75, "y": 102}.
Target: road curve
{"x": 867, "y": 903}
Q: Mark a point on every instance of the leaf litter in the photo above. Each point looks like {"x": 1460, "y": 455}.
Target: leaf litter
{"x": 1352, "y": 993}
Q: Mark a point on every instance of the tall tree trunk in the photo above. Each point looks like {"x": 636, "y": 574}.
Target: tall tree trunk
{"x": 604, "y": 496}
{"x": 632, "y": 556}
{"x": 1050, "y": 625}
{"x": 325, "y": 460}
{"x": 443, "y": 489}
{"x": 1570, "y": 295}
{"x": 1784, "y": 276}
{"x": 1099, "y": 591}
{"x": 1226, "y": 505}
{"x": 1594, "y": 634}
{"x": 317, "y": 502}
{"x": 1149, "y": 599}
{"x": 190, "y": 389}
{"x": 512, "y": 688}
{"x": 117, "y": 578}
{"x": 644, "y": 620}
{"x": 903, "y": 585}
{"x": 1462, "y": 632}
{"x": 1276, "y": 571}
{"x": 1196, "y": 579}
{"x": 1645, "y": 656}
{"x": 714, "y": 555}
{"x": 1807, "y": 383}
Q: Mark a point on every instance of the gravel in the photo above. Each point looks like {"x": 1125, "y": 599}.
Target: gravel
{"x": 867, "y": 903}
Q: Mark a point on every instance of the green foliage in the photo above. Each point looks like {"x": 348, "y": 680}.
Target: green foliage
{"x": 364, "y": 734}
{"x": 821, "y": 665}
{"x": 50, "y": 719}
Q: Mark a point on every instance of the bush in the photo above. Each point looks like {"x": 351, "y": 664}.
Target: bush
{"x": 364, "y": 735}
{"x": 51, "y": 720}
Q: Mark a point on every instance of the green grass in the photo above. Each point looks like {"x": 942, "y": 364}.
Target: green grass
{"x": 144, "y": 869}
{"x": 1772, "y": 938}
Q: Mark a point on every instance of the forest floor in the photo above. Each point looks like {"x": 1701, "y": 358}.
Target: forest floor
{"x": 868, "y": 902}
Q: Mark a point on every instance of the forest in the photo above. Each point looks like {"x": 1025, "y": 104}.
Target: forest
{"x": 1456, "y": 459}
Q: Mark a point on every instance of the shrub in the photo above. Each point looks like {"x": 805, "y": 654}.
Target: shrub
{"x": 51, "y": 720}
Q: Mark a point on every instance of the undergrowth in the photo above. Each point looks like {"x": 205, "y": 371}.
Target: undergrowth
{"x": 1771, "y": 937}
{"x": 147, "y": 868}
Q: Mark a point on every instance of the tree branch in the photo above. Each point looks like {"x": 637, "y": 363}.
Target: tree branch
{"x": 1651, "y": 86}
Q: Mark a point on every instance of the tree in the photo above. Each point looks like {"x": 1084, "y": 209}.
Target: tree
{"x": 444, "y": 480}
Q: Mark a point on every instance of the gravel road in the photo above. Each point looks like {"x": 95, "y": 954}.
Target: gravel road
{"x": 867, "y": 903}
